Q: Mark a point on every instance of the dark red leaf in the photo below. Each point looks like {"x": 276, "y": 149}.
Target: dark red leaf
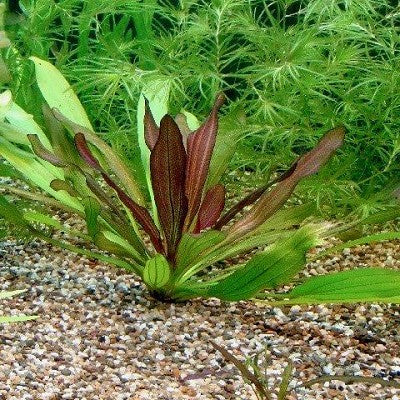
{"x": 168, "y": 166}
{"x": 151, "y": 130}
{"x": 85, "y": 153}
{"x": 138, "y": 212}
{"x": 200, "y": 147}
{"x": 306, "y": 165}
{"x": 211, "y": 208}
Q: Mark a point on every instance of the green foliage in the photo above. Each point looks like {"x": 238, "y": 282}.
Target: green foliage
{"x": 173, "y": 245}
{"x": 293, "y": 67}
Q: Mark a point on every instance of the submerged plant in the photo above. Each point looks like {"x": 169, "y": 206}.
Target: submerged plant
{"x": 173, "y": 244}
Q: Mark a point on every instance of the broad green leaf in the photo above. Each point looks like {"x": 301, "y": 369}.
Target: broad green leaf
{"x": 35, "y": 171}
{"x": 20, "y": 123}
{"x": 270, "y": 269}
{"x": 156, "y": 272}
{"x": 124, "y": 244}
{"x": 191, "y": 247}
{"x": 357, "y": 285}
{"x": 58, "y": 93}
{"x": 192, "y": 122}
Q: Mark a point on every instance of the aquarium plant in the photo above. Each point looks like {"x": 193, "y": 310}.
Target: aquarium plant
{"x": 176, "y": 232}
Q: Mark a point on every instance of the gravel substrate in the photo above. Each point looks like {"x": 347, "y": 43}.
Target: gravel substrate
{"x": 101, "y": 337}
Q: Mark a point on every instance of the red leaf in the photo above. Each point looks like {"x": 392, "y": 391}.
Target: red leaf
{"x": 168, "y": 172}
{"x": 211, "y": 208}
{"x": 200, "y": 147}
{"x": 151, "y": 130}
{"x": 306, "y": 165}
{"x": 138, "y": 212}
{"x": 85, "y": 153}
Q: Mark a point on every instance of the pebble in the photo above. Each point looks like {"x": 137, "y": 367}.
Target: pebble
{"x": 100, "y": 336}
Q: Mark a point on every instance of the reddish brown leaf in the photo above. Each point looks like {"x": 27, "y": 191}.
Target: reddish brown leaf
{"x": 200, "y": 147}
{"x": 85, "y": 153}
{"x": 251, "y": 198}
{"x": 306, "y": 165}
{"x": 151, "y": 130}
{"x": 167, "y": 167}
{"x": 43, "y": 153}
{"x": 211, "y": 208}
{"x": 139, "y": 213}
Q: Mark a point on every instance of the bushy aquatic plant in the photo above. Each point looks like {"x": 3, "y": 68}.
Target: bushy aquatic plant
{"x": 291, "y": 65}
{"x": 172, "y": 244}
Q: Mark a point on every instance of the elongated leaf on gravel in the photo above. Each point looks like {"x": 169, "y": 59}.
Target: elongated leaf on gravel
{"x": 245, "y": 372}
{"x": 270, "y": 269}
{"x": 357, "y": 285}
{"x": 200, "y": 147}
{"x": 167, "y": 166}
{"x": 10, "y": 293}
{"x": 306, "y": 165}
{"x": 17, "y": 318}
{"x": 192, "y": 246}
{"x": 211, "y": 207}
{"x": 58, "y": 93}
{"x": 156, "y": 272}
{"x": 377, "y": 237}
{"x": 139, "y": 213}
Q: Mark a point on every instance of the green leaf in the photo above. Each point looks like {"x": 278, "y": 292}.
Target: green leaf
{"x": 191, "y": 246}
{"x": 17, "y": 318}
{"x": 58, "y": 93}
{"x": 36, "y": 172}
{"x": 156, "y": 272}
{"x": 20, "y": 123}
{"x": 123, "y": 244}
{"x": 357, "y": 285}
{"x": 8, "y": 294}
{"x": 270, "y": 269}
{"x": 34, "y": 216}
{"x": 92, "y": 211}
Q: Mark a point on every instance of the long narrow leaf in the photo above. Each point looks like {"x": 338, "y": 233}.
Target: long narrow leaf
{"x": 114, "y": 161}
{"x": 200, "y": 147}
{"x": 357, "y": 285}
{"x": 139, "y": 212}
{"x": 167, "y": 166}
{"x": 271, "y": 201}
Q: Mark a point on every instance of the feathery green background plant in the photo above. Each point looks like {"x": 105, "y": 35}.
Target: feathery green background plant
{"x": 293, "y": 68}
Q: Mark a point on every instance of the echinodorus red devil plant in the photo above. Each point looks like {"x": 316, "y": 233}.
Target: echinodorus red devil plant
{"x": 177, "y": 246}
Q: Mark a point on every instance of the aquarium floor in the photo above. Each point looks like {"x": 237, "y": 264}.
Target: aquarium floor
{"x": 99, "y": 335}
